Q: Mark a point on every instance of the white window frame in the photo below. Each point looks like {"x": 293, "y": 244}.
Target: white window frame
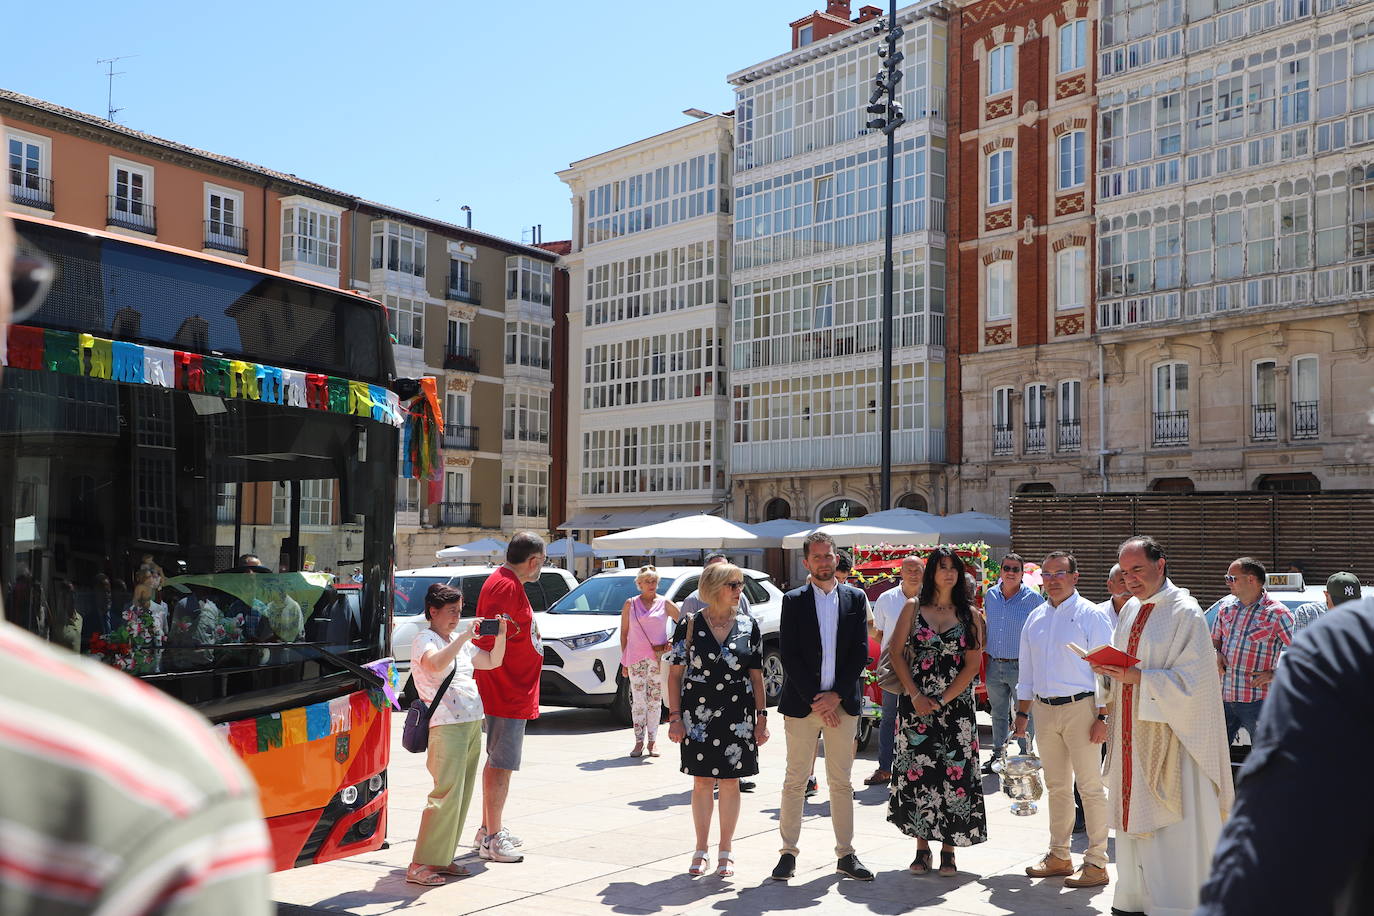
{"x": 1001, "y": 190}
{"x": 458, "y": 333}
{"x": 999, "y": 288}
{"x": 1072, "y": 155}
{"x": 1296, "y": 380}
{"x": 1071, "y": 278}
{"x": 1001, "y": 69}
{"x": 1070, "y": 400}
{"x": 1034, "y": 407}
{"x": 457, "y": 408}
{"x": 317, "y": 503}
{"x": 1073, "y": 46}
{"x": 323, "y": 248}
{"x": 149, "y": 178}
{"x": 411, "y": 333}
{"x": 44, "y": 145}
{"x": 461, "y": 477}
{"x": 1003, "y": 416}
{"x": 1255, "y": 392}
{"x": 391, "y": 237}
{"x": 1169, "y": 398}
{"x": 214, "y": 190}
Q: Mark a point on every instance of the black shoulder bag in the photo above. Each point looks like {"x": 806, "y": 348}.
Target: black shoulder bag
{"x": 415, "y": 735}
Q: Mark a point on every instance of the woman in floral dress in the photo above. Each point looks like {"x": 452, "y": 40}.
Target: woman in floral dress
{"x": 936, "y": 791}
{"x": 716, "y": 705}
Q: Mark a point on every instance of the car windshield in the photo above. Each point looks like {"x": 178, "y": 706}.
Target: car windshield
{"x": 410, "y": 593}
{"x": 602, "y": 595}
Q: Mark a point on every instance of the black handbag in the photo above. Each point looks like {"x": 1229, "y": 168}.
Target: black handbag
{"x": 415, "y": 734}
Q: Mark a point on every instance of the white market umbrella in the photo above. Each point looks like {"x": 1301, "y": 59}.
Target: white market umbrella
{"x": 894, "y": 526}
{"x": 567, "y": 547}
{"x": 695, "y": 532}
{"x": 981, "y": 526}
{"x": 485, "y": 549}
{"x": 771, "y": 533}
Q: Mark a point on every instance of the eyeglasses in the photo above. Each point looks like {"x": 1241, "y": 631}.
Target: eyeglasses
{"x": 737, "y": 584}
{"x": 1054, "y": 575}
{"x": 1231, "y": 579}
{"x": 30, "y": 278}
{"x": 1011, "y": 569}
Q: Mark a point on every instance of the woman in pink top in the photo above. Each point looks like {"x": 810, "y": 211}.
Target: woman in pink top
{"x": 643, "y": 640}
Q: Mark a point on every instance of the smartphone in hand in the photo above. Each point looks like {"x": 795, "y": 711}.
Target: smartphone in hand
{"x": 488, "y": 626}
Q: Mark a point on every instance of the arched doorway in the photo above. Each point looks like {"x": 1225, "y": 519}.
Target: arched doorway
{"x": 841, "y": 510}
{"x": 1173, "y": 485}
{"x": 1035, "y": 489}
{"x": 1288, "y": 483}
{"x": 777, "y": 508}
{"x": 914, "y": 501}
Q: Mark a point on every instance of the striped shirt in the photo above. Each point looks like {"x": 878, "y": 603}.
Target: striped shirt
{"x": 1006, "y": 617}
{"x": 116, "y": 799}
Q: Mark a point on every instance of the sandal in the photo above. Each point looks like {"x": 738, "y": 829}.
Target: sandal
{"x": 424, "y": 875}
{"x": 921, "y": 864}
{"x": 653, "y": 752}
{"x": 696, "y": 871}
{"x": 455, "y": 870}
{"x": 725, "y": 867}
{"x": 639, "y": 749}
{"x": 947, "y": 867}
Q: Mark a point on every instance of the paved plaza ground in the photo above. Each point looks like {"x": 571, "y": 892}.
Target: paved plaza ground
{"x": 605, "y": 833}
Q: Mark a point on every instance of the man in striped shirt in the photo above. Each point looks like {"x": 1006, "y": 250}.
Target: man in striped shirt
{"x": 114, "y": 799}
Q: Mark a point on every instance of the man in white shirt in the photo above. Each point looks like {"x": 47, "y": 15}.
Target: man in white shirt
{"x": 1070, "y": 717}
{"x": 886, "y": 610}
{"x": 1117, "y": 595}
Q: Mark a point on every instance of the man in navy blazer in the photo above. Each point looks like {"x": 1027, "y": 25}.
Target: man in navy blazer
{"x": 823, "y": 640}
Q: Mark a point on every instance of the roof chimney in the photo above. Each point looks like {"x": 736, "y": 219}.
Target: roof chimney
{"x": 838, "y": 8}
{"x": 866, "y": 14}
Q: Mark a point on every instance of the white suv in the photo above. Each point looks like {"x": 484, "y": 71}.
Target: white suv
{"x": 408, "y": 615}
{"x": 581, "y": 635}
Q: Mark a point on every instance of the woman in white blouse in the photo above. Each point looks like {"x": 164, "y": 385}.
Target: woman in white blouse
{"x": 455, "y": 729}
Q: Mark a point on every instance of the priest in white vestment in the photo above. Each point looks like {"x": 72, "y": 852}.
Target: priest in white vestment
{"x": 1168, "y": 764}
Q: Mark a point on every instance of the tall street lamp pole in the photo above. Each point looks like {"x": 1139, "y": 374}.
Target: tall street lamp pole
{"x": 883, "y": 104}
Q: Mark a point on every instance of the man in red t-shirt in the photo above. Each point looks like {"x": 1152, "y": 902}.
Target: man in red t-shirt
{"x": 510, "y": 693}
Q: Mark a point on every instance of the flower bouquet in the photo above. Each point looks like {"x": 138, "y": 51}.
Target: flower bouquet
{"x": 113, "y": 648}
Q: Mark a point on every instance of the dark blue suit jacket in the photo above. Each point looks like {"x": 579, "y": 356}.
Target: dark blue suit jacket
{"x": 799, "y": 643}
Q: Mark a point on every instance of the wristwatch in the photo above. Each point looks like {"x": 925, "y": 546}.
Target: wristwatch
{"x": 761, "y": 712}
{"x": 1102, "y": 718}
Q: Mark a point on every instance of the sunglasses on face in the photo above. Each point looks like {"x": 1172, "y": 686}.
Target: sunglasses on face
{"x": 1011, "y": 569}
{"x": 736, "y": 585}
{"x": 31, "y": 277}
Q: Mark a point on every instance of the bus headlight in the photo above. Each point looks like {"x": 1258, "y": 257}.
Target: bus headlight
{"x": 374, "y": 785}
{"x": 349, "y": 796}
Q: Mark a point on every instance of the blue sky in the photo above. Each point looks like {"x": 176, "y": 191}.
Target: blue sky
{"x": 425, "y": 105}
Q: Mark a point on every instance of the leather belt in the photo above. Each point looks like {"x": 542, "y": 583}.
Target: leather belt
{"x": 1064, "y": 701}
{"x": 996, "y": 659}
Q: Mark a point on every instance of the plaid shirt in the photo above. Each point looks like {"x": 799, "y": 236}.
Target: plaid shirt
{"x": 1251, "y": 638}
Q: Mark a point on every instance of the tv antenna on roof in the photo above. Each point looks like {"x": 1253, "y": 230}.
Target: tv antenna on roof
{"x": 110, "y": 74}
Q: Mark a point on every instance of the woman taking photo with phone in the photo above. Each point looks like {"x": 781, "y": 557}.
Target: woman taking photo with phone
{"x": 445, "y": 652}
{"x": 643, "y": 642}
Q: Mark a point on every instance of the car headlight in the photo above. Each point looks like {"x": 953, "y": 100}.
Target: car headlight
{"x": 587, "y": 639}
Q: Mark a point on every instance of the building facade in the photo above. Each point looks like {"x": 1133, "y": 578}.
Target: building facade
{"x": 471, "y": 309}
{"x": 808, "y": 209}
{"x": 1022, "y": 94}
{"x": 1235, "y": 259}
{"x": 648, "y": 403}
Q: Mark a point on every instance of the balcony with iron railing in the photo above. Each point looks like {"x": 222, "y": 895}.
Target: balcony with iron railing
{"x": 1305, "y": 423}
{"x": 1002, "y": 438}
{"x": 131, "y": 213}
{"x": 460, "y": 437}
{"x": 1070, "y": 435}
{"x": 461, "y": 359}
{"x": 469, "y": 291}
{"x": 29, "y": 190}
{"x": 222, "y": 236}
{"x": 1035, "y": 437}
{"x": 1170, "y": 428}
{"x": 1264, "y": 423}
{"x": 460, "y": 515}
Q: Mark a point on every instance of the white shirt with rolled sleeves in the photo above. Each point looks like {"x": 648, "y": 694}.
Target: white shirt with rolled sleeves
{"x": 886, "y": 610}
{"x": 828, "y": 619}
{"x": 1048, "y": 667}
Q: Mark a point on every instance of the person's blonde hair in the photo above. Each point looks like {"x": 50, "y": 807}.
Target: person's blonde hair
{"x": 713, "y": 579}
{"x": 646, "y": 572}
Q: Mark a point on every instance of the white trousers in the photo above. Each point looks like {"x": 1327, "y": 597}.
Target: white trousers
{"x": 1161, "y": 873}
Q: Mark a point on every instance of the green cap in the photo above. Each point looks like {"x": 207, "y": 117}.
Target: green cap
{"x": 1343, "y": 587}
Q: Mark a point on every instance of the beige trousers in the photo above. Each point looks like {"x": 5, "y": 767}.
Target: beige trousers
{"x": 839, "y": 761}
{"x": 1067, "y": 753}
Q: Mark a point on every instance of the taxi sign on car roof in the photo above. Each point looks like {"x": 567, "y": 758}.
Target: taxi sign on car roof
{"x": 1284, "y": 582}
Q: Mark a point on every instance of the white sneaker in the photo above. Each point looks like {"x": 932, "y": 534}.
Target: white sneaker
{"x": 499, "y": 848}
{"x": 481, "y": 837}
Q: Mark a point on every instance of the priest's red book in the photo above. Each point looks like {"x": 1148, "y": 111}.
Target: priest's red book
{"x": 1105, "y": 655}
